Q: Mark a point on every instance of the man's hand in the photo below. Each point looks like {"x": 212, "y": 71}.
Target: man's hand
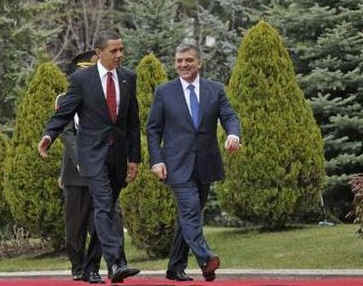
{"x": 232, "y": 144}
{"x": 44, "y": 145}
{"x": 160, "y": 171}
{"x": 131, "y": 171}
{"x": 60, "y": 183}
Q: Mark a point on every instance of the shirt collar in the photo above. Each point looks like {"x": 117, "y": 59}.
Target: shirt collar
{"x": 103, "y": 71}
{"x": 185, "y": 84}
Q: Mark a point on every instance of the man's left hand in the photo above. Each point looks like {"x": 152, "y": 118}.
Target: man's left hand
{"x": 132, "y": 169}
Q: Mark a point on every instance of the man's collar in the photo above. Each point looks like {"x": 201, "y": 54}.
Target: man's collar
{"x": 185, "y": 83}
{"x": 102, "y": 70}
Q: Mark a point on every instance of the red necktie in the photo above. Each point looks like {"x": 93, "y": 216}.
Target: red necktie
{"x": 111, "y": 97}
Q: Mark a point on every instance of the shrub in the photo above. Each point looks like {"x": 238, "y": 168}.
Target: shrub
{"x": 147, "y": 203}
{"x": 281, "y": 165}
{"x": 30, "y": 184}
{"x": 5, "y": 215}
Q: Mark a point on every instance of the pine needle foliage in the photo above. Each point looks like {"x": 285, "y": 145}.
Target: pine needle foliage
{"x": 281, "y": 164}
{"x": 30, "y": 183}
{"x": 147, "y": 203}
{"x": 150, "y": 73}
{"x": 5, "y": 215}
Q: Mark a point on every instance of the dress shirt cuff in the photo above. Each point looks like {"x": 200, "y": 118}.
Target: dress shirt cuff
{"x": 158, "y": 165}
{"x": 48, "y": 137}
{"x": 231, "y": 136}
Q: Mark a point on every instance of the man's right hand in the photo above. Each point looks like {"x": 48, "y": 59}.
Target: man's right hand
{"x": 159, "y": 170}
{"x": 44, "y": 145}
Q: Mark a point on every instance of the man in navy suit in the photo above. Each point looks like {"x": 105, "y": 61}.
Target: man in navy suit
{"x": 184, "y": 153}
{"x": 77, "y": 211}
{"x": 78, "y": 208}
{"x": 108, "y": 139}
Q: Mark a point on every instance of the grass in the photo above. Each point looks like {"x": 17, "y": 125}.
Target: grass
{"x": 302, "y": 247}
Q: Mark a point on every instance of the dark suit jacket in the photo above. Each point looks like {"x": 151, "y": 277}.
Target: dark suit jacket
{"x": 173, "y": 139}
{"x": 69, "y": 174}
{"x": 86, "y": 98}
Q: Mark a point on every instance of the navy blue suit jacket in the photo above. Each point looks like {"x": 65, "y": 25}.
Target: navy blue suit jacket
{"x": 86, "y": 98}
{"x": 173, "y": 139}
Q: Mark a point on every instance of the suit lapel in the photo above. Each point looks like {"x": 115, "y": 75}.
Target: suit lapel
{"x": 123, "y": 87}
{"x": 182, "y": 102}
{"x": 97, "y": 90}
{"x": 203, "y": 99}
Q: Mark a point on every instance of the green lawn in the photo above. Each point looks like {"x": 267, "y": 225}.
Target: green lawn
{"x": 303, "y": 247}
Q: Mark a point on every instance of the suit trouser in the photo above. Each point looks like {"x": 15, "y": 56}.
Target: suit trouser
{"x": 104, "y": 195}
{"x": 78, "y": 214}
{"x": 191, "y": 198}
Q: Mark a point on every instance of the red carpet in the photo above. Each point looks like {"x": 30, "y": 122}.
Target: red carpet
{"x": 163, "y": 282}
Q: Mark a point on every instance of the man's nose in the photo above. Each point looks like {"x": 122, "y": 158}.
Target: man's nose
{"x": 184, "y": 63}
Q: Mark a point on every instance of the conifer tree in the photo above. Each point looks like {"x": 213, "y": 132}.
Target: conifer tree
{"x": 326, "y": 40}
{"x": 4, "y": 208}
{"x": 153, "y": 27}
{"x": 30, "y": 184}
{"x": 147, "y": 203}
{"x": 281, "y": 164}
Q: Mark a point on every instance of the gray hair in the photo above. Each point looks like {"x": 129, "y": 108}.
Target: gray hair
{"x": 182, "y": 48}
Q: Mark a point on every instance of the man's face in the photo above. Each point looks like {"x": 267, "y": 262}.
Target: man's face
{"x": 187, "y": 65}
{"x": 112, "y": 55}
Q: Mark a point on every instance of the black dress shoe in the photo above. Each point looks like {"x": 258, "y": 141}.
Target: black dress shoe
{"x": 178, "y": 276}
{"x": 94, "y": 278}
{"x": 210, "y": 267}
{"x": 119, "y": 273}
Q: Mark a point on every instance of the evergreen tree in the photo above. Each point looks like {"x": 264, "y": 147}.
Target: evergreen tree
{"x": 19, "y": 41}
{"x": 30, "y": 184}
{"x": 153, "y": 27}
{"x": 281, "y": 164}
{"x": 5, "y": 215}
{"x": 147, "y": 203}
{"x": 212, "y": 27}
{"x": 326, "y": 40}
{"x": 217, "y": 43}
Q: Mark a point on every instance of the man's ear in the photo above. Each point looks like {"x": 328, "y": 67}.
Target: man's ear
{"x": 94, "y": 58}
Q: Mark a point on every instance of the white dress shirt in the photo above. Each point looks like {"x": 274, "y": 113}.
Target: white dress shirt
{"x": 76, "y": 121}
{"x": 186, "y": 90}
{"x": 103, "y": 76}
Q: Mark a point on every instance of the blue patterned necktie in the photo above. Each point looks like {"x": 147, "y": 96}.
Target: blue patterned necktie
{"x": 194, "y": 105}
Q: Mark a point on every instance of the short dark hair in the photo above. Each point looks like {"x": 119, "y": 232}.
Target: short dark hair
{"x": 104, "y": 37}
{"x": 182, "y": 48}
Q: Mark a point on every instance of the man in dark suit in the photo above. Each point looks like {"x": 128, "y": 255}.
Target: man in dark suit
{"x": 183, "y": 147}
{"x": 108, "y": 140}
{"x": 78, "y": 208}
{"x": 78, "y": 211}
